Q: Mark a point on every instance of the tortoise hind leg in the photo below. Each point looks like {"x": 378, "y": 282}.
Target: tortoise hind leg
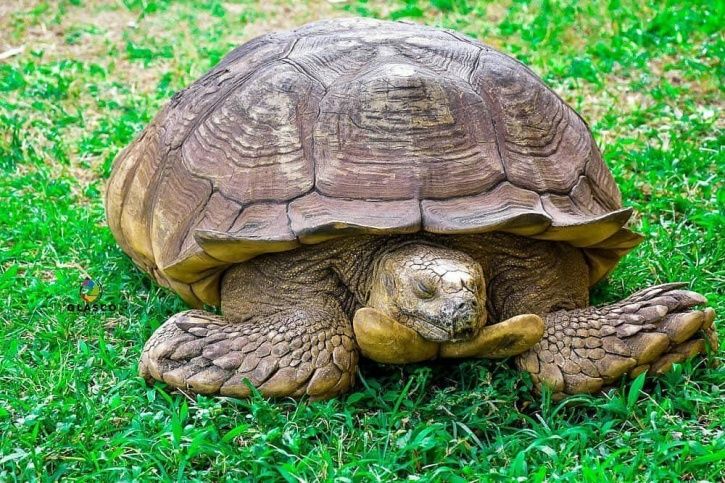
{"x": 587, "y": 349}
{"x": 305, "y": 348}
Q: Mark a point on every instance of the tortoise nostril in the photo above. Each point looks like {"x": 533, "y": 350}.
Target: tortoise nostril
{"x": 463, "y": 307}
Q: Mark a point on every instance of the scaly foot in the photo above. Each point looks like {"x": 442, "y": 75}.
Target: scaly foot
{"x": 285, "y": 353}
{"x": 584, "y": 350}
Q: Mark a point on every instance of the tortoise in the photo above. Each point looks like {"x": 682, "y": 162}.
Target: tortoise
{"x": 386, "y": 189}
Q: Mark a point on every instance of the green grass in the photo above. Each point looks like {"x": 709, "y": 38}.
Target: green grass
{"x": 647, "y": 77}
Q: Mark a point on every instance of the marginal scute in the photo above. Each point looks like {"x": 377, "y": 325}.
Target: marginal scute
{"x": 260, "y": 228}
{"x": 208, "y": 289}
{"x": 588, "y": 231}
{"x": 191, "y": 266}
{"x": 184, "y": 290}
{"x": 507, "y": 208}
{"x": 352, "y": 126}
{"x": 132, "y": 233}
{"x": 315, "y": 218}
{"x": 603, "y": 256}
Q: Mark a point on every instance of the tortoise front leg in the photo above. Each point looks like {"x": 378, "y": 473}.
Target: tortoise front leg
{"x": 585, "y": 350}
{"x": 305, "y": 348}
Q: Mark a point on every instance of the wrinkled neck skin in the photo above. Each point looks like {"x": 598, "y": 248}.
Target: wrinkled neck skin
{"x": 519, "y": 275}
{"x": 359, "y": 261}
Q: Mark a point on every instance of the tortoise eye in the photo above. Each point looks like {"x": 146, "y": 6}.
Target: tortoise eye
{"x": 424, "y": 289}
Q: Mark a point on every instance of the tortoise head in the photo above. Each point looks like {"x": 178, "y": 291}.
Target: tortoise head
{"x": 438, "y": 292}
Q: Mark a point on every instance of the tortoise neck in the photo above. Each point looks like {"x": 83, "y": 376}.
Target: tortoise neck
{"x": 357, "y": 260}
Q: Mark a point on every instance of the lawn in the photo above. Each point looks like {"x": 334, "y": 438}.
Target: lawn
{"x": 80, "y": 78}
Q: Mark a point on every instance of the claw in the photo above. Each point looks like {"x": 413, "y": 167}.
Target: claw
{"x": 664, "y": 363}
{"x": 638, "y": 370}
{"x": 551, "y": 376}
{"x": 709, "y": 317}
{"x": 611, "y": 367}
{"x": 648, "y": 346}
{"x": 681, "y": 326}
{"x": 209, "y": 380}
{"x": 712, "y": 337}
{"x": 579, "y": 383}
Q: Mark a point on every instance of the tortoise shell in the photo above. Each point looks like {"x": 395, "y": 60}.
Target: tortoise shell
{"x": 353, "y": 126}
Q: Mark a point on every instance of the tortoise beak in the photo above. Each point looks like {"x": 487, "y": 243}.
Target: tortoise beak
{"x": 459, "y": 319}
{"x": 462, "y": 319}
{"x": 465, "y": 319}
